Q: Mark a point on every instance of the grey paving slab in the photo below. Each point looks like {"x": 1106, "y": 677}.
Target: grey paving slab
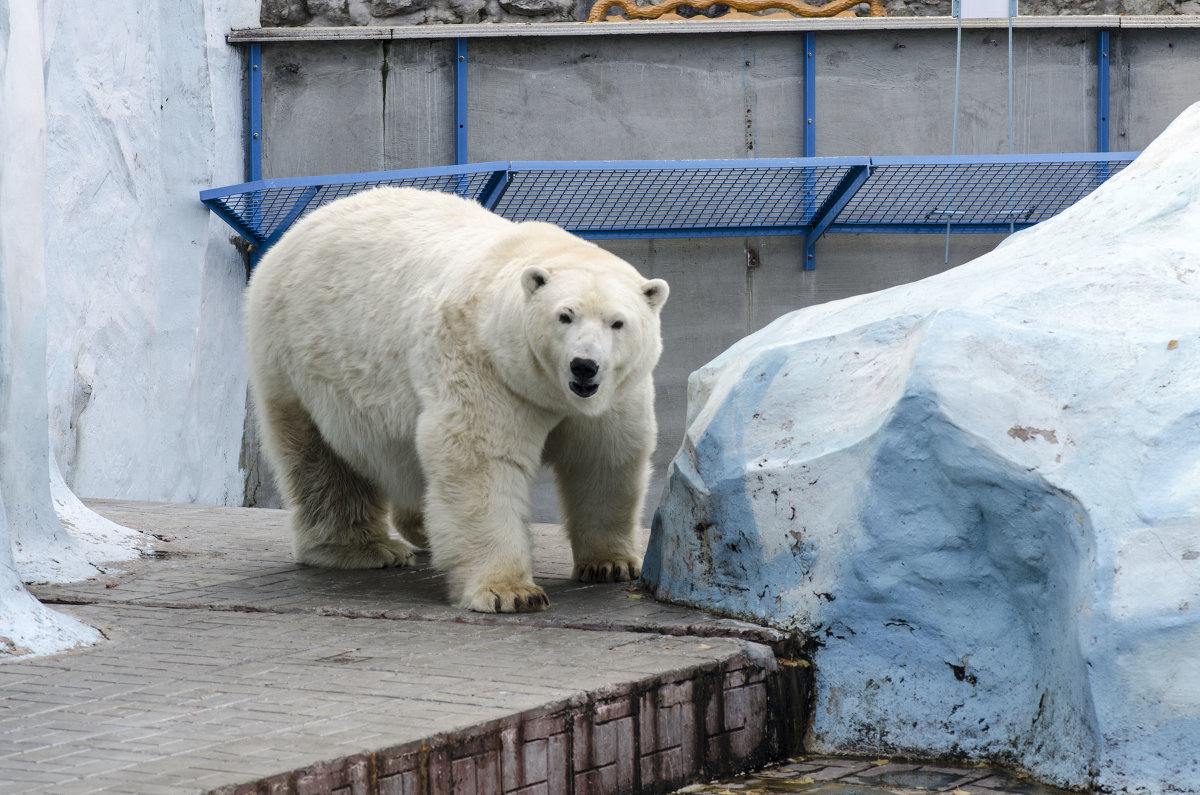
{"x": 240, "y": 559}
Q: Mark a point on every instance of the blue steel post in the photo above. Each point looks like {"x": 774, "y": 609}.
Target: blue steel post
{"x": 810, "y": 129}
{"x": 810, "y": 96}
{"x": 255, "y": 144}
{"x": 460, "y": 101}
{"x": 1102, "y": 92}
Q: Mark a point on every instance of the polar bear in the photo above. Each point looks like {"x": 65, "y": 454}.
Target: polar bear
{"x": 412, "y": 350}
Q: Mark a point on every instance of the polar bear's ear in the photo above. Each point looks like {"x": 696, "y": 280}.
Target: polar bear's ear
{"x": 656, "y": 292}
{"x": 534, "y": 278}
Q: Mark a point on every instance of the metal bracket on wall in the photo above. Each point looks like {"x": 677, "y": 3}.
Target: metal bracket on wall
{"x": 829, "y": 211}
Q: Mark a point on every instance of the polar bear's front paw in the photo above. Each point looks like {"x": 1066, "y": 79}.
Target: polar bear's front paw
{"x": 378, "y": 554}
{"x": 513, "y": 598}
{"x": 614, "y": 570}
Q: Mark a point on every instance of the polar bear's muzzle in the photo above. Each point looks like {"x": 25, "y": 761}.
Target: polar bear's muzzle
{"x": 583, "y": 377}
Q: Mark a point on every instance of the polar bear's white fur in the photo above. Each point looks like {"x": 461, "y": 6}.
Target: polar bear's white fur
{"x": 411, "y": 349}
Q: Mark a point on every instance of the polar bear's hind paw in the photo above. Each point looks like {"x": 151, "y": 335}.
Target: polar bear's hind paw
{"x": 619, "y": 570}
{"x": 379, "y": 554}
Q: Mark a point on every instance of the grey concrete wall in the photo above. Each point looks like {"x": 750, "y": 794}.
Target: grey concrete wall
{"x": 892, "y": 93}
{"x": 1155, "y": 74}
{"x": 358, "y": 106}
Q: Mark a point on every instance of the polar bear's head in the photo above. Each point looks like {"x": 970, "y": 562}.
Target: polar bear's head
{"x": 592, "y": 326}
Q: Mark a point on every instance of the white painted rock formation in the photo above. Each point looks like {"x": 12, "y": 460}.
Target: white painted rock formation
{"x": 27, "y": 517}
{"x": 978, "y": 495}
{"x": 147, "y": 387}
{"x": 120, "y": 344}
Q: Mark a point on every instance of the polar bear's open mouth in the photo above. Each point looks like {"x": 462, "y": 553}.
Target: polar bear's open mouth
{"x": 584, "y": 389}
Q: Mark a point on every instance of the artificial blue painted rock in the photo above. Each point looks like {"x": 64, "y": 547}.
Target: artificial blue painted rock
{"x": 978, "y": 495}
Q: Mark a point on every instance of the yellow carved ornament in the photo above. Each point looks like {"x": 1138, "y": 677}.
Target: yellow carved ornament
{"x": 633, "y": 11}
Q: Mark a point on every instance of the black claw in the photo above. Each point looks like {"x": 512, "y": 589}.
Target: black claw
{"x": 497, "y": 604}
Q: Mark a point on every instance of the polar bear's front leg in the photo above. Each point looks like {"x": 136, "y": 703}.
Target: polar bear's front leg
{"x": 602, "y": 465}
{"x": 478, "y": 505}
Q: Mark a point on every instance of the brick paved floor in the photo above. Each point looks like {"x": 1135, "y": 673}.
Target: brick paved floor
{"x": 229, "y": 668}
{"x": 841, "y": 776}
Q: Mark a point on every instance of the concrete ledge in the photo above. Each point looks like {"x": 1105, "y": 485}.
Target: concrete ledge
{"x": 692, "y": 27}
{"x": 653, "y": 736}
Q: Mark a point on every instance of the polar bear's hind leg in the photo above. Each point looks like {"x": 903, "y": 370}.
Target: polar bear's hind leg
{"x": 338, "y": 517}
{"x": 410, "y": 525}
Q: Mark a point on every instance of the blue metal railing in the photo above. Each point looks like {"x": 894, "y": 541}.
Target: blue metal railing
{"x": 681, "y": 198}
{"x": 714, "y": 198}
{"x": 262, "y": 210}
{"x": 973, "y": 194}
{"x": 708, "y": 198}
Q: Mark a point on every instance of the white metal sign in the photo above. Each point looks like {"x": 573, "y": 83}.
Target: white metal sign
{"x": 985, "y": 9}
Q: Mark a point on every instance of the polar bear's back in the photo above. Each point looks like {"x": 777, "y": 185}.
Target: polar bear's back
{"x": 367, "y": 265}
{"x": 340, "y": 311}
{"x": 412, "y": 234}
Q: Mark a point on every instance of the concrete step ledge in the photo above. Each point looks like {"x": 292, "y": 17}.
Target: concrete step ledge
{"x": 646, "y": 737}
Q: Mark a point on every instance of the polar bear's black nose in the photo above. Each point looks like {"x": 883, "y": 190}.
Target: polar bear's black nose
{"x": 584, "y": 369}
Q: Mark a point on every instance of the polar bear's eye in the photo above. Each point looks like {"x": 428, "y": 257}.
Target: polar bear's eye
{"x": 564, "y": 318}
{"x": 618, "y": 324}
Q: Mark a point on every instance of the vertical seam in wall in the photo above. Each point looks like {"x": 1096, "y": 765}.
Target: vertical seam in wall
{"x": 384, "y": 68}
{"x": 749, "y": 98}
{"x": 752, "y": 263}
{"x": 1127, "y": 95}
{"x": 635, "y": 712}
{"x": 569, "y": 750}
{"x": 749, "y": 290}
